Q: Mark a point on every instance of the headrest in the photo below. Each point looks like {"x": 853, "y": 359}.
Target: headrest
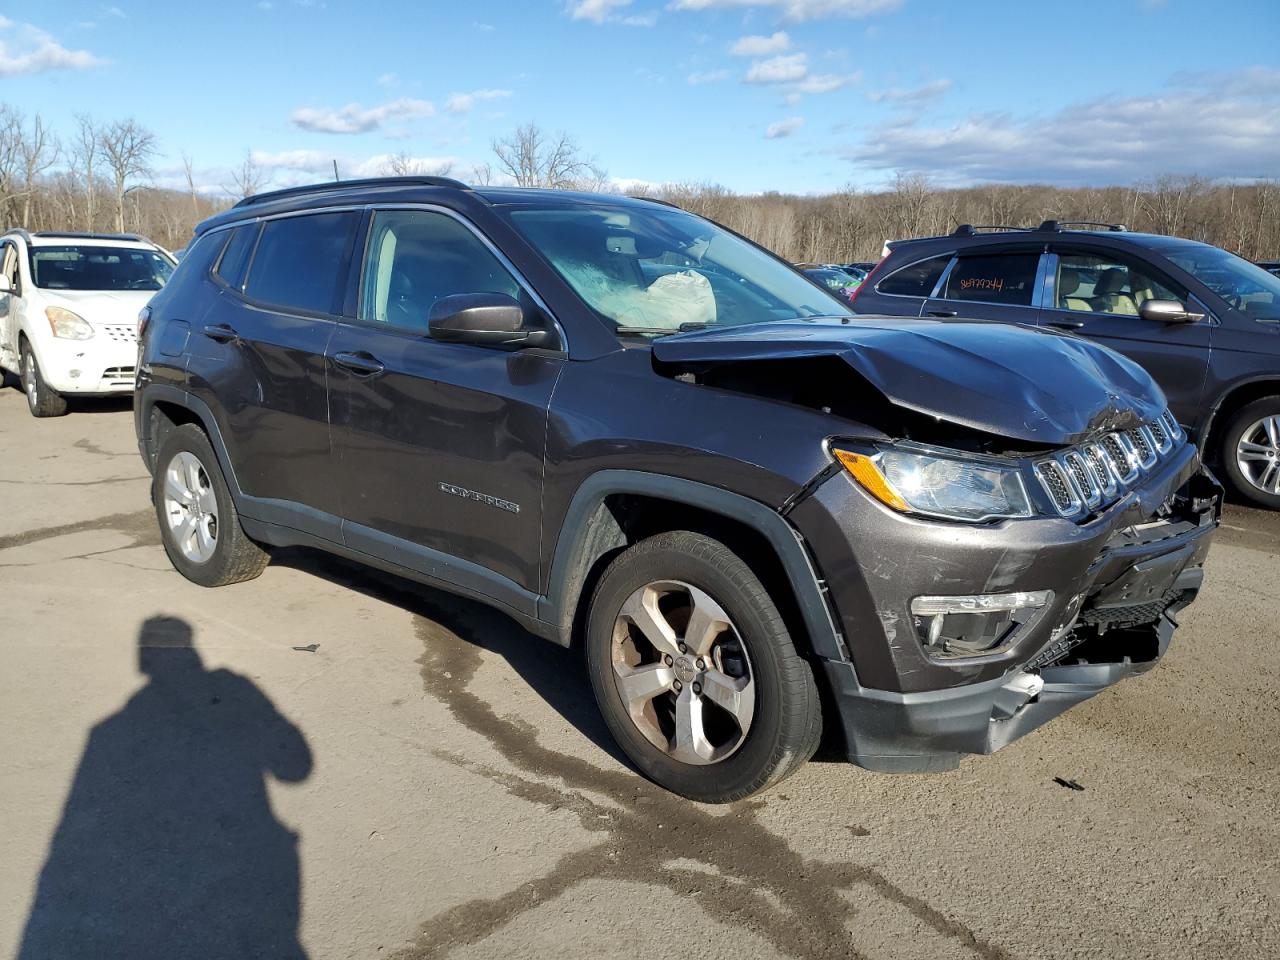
{"x": 1110, "y": 281}
{"x": 1068, "y": 281}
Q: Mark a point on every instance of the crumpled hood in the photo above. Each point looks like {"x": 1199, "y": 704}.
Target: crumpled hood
{"x": 1003, "y": 379}
{"x": 100, "y": 306}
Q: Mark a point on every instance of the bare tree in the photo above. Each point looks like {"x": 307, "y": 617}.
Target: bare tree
{"x": 39, "y": 151}
{"x": 404, "y": 164}
{"x": 85, "y": 154}
{"x": 127, "y": 147}
{"x": 533, "y": 158}
{"x": 247, "y": 179}
{"x": 188, "y": 170}
{"x": 11, "y": 138}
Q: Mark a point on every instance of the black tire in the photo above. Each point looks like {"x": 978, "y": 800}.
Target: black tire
{"x": 787, "y": 723}
{"x": 235, "y": 557}
{"x": 42, "y": 399}
{"x": 1240, "y": 421}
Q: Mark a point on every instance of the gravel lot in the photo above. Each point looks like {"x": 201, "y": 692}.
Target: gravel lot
{"x": 353, "y": 766}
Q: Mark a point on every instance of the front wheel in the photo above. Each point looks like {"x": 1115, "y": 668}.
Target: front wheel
{"x": 695, "y": 672}
{"x": 42, "y": 399}
{"x": 1251, "y": 452}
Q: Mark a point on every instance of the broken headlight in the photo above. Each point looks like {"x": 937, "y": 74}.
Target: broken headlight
{"x": 938, "y": 485}
{"x": 975, "y": 625}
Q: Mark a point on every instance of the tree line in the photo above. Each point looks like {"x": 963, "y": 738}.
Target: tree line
{"x": 99, "y": 176}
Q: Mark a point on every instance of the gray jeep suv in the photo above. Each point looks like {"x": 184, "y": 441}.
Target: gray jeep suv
{"x": 636, "y": 432}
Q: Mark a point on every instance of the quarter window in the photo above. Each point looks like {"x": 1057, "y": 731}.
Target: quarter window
{"x": 994, "y": 278}
{"x": 301, "y": 262}
{"x": 917, "y": 280}
{"x": 416, "y": 257}
{"x": 235, "y": 257}
{"x": 1089, "y": 283}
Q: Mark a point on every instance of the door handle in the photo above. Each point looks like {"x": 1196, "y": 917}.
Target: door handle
{"x": 221, "y": 333}
{"x": 361, "y": 364}
{"x": 943, "y": 313}
{"x": 1065, "y": 324}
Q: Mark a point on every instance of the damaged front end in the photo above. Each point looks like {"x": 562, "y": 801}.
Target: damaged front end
{"x": 1018, "y": 531}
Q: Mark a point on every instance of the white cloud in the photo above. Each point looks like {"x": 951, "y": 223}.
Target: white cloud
{"x": 825, "y": 83}
{"x": 463, "y": 102}
{"x": 353, "y": 118}
{"x": 783, "y": 69}
{"x": 798, "y": 10}
{"x": 783, "y": 128}
{"x": 1216, "y": 125}
{"x": 911, "y": 95}
{"x": 708, "y": 76}
{"x": 594, "y": 11}
{"x": 291, "y": 167}
{"x": 25, "y": 49}
{"x": 388, "y": 80}
{"x": 758, "y": 46}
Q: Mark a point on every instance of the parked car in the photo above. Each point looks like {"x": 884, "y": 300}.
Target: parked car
{"x": 69, "y": 307}
{"x": 833, "y": 278}
{"x": 635, "y": 432}
{"x": 1204, "y": 322}
{"x": 1271, "y": 266}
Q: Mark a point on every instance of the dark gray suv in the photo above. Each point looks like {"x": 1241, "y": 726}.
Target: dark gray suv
{"x": 1204, "y": 322}
{"x": 635, "y": 432}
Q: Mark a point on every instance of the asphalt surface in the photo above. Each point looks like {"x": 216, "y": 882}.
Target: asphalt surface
{"x": 328, "y": 762}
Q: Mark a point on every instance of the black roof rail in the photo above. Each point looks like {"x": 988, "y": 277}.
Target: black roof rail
{"x": 1056, "y": 226}
{"x": 86, "y": 235}
{"x": 969, "y": 229}
{"x": 18, "y": 231}
{"x": 336, "y": 185}
{"x": 665, "y": 203}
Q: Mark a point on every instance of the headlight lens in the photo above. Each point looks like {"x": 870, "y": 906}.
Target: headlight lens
{"x": 936, "y": 485}
{"x": 68, "y": 325}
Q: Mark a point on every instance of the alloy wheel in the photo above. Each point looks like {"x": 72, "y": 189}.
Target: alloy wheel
{"x": 1258, "y": 454}
{"x": 190, "y": 507}
{"x": 29, "y": 378}
{"x": 682, "y": 672}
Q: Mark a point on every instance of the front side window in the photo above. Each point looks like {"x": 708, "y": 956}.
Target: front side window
{"x": 301, "y": 262}
{"x": 1102, "y": 283}
{"x": 11, "y": 266}
{"x": 916, "y": 280}
{"x": 99, "y": 268}
{"x": 994, "y": 278}
{"x": 1243, "y": 285}
{"x": 657, "y": 271}
{"x": 414, "y": 258}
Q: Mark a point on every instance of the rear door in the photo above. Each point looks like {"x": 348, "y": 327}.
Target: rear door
{"x": 987, "y": 284}
{"x": 439, "y": 446}
{"x": 259, "y": 356}
{"x": 1096, "y": 292}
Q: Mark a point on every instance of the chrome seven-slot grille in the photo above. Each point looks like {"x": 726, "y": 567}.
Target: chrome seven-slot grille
{"x": 1093, "y": 475}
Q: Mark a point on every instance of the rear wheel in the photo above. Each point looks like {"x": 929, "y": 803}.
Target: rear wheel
{"x": 695, "y": 672}
{"x": 1251, "y": 452}
{"x": 42, "y": 399}
{"x": 199, "y": 524}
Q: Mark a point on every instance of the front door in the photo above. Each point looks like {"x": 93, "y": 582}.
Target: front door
{"x": 1097, "y": 293}
{"x": 10, "y": 306}
{"x": 438, "y": 446}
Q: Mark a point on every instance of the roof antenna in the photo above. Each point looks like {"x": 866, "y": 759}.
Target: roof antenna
{"x": 336, "y": 178}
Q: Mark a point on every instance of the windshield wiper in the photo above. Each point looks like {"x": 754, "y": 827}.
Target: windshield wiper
{"x": 665, "y": 331}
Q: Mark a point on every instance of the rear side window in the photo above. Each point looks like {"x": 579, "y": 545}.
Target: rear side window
{"x": 917, "y": 280}
{"x": 301, "y": 262}
{"x": 235, "y": 257}
{"x": 994, "y": 278}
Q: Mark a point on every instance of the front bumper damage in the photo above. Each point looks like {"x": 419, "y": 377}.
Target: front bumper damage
{"x": 1119, "y": 584}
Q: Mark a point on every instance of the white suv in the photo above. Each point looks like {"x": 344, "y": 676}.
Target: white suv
{"x": 69, "y": 306}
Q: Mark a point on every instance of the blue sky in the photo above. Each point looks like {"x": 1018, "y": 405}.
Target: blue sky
{"x": 792, "y": 95}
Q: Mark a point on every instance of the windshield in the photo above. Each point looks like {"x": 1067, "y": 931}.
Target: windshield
{"x": 99, "y": 268}
{"x": 663, "y": 270}
{"x": 832, "y": 278}
{"x": 1244, "y": 285}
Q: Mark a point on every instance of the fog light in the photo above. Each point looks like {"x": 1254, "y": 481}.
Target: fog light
{"x": 976, "y": 625}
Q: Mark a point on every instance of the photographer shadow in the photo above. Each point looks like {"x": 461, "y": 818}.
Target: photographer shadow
{"x": 168, "y": 846}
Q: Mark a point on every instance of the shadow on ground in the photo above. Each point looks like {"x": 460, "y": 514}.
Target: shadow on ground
{"x": 168, "y": 846}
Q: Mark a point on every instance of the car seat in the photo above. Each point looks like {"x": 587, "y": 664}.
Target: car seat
{"x": 1068, "y": 284}
{"x": 1109, "y": 295}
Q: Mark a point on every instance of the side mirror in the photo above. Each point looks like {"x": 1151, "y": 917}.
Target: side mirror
{"x": 489, "y": 319}
{"x": 1167, "y": 311}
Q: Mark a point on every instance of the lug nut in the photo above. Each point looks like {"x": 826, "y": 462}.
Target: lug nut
{"x": 702, "y": 664}
{"x": 667, "y": 660}
{"x": 683, "y": 648}
{"x": 678, "y": 686}
{"x": 697, "y": 688}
